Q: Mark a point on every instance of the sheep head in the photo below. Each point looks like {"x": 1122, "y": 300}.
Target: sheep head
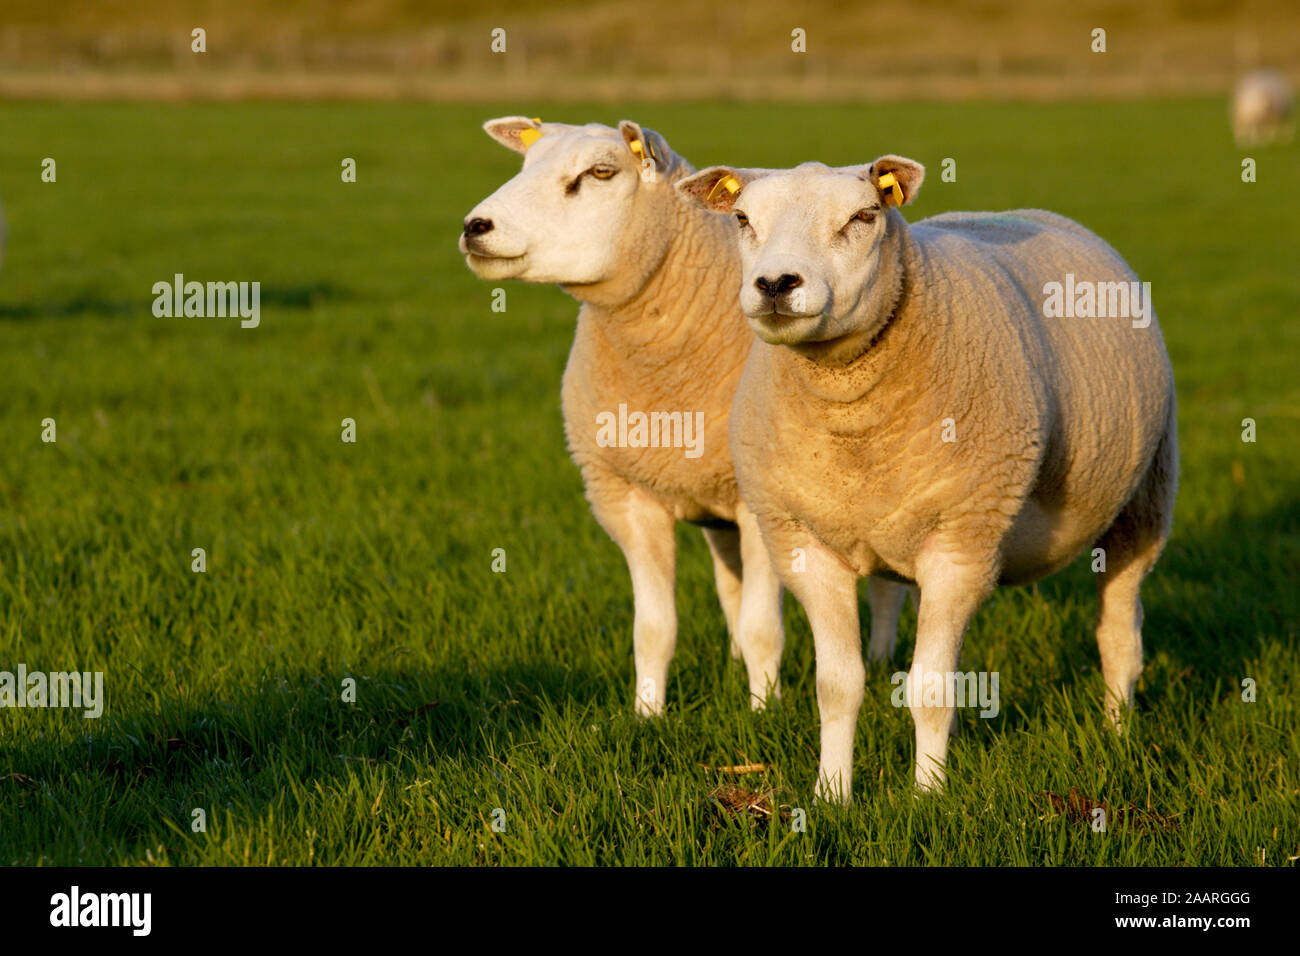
{"x": 810, "y": 239}
{"x": 579, "y": 210}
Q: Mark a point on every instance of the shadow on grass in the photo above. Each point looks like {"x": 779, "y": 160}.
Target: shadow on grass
{"x": 1215, "y": 599}
{"x": 1216, "y": 596}
{"x": 297, "y": 726}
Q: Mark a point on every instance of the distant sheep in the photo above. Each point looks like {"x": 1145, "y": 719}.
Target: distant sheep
{"x": 659, "y": 335}
{"x": 921, "y": 407}
{"x": 1262, "y": 107}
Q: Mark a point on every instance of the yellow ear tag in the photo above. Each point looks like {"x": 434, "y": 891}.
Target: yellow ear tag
{"x": 890, "y": 181}
{"x": 530, "y": 136}
{"x": 729, "y": 183}
{"x": 640, "y": 151}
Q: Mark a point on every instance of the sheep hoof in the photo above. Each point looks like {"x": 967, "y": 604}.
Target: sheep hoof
{"x": 647, "y": 710}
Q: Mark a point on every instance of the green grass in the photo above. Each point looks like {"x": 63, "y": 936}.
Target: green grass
{"x": 479, "y": 690}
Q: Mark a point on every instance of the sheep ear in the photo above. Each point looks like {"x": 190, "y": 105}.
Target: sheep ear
{"x": 514, "y": 132}
{"x": 715, "y": 188}
{"x": 898, "y": 179}
{"x": 646, "y": 144}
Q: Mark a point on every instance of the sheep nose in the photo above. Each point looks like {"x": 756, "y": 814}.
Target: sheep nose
{"x": 476, "y": 226}
{"x": 774, "y": 287}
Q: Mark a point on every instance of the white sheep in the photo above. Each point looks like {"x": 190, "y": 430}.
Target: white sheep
{"x": 659, "y": 332}
{"x": 918, "y": 408}
{"x": 1262, "y": 104}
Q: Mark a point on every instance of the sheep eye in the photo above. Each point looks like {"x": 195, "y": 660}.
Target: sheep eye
{"x": 603, "y": 172}
{"x": 742, "y": 220}
{"x": 865, "y": 215}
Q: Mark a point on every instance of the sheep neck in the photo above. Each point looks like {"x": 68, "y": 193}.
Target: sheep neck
{"x": 679, "y": 308}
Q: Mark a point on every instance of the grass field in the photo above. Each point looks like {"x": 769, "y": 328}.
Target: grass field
{"x": 478, "y": 690}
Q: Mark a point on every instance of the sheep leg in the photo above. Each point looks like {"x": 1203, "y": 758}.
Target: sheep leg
{"x": 952, "y": 588}
{"x": 644, "y": 530}
{"x": 886, "y": 600}
{"x": 724, "y": 545}
{"x": 1131, "y": 546}
{"x": 1119, "y": 634}
{"x": 761, "y": 633}
{"x": 828, "y": 591}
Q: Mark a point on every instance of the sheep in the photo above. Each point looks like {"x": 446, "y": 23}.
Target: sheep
{"x": 911, "y": 410}
{"x": 1262, "y": 104}
{"x": 659, "y": 332}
